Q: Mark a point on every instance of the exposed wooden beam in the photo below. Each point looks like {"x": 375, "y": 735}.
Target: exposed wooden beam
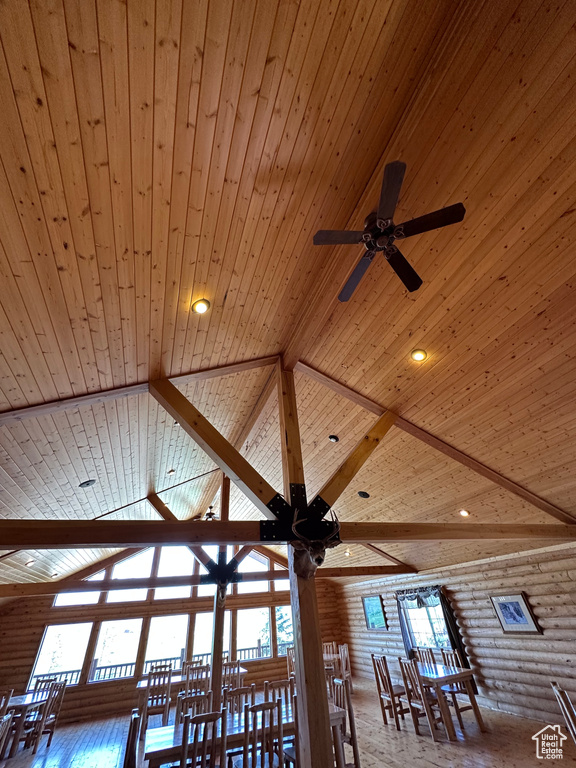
{"x": 93, "y": 398}
{"x": 156, "y": 502}
{"x": 230, "y": 461}
{"x": 202, "y": 557}
{"x": 440, "y": 445}
{"x": 28, "y": 589}
{"x": 389, "y": 557}
{"x": 331, "y": 491}
{"x": 73, "y": 534}
{"x": 314, "y": 736}
{"x": 273, "y": 556}
{"x": 242, "y": 553}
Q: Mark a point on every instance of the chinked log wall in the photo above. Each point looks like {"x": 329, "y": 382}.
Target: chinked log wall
{"x": 22, "y": 624}
{"x": 513, "y": 672}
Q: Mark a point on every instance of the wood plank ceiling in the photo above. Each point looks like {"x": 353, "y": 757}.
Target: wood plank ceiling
{"x": 155, "y": 152}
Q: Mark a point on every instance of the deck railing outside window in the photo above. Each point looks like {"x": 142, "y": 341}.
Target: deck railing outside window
{"x": 70, "y": 676}
{"x": 256, "y": 652}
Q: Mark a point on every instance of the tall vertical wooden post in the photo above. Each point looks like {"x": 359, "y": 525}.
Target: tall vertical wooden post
{"x": 314, "y": 736}
{"x": 219, "y": 607}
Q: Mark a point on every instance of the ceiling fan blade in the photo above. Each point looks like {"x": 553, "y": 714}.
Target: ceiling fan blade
{"x": 441, "y": 218}
{"x": 337, "y": 237}
{"x": 405, "y": 272}
{"x": 356, "y": 276}
{"x": 391, "y": 184}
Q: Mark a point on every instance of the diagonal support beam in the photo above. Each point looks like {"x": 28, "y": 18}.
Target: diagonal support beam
{"x": 389, "y": 557}
{"x": 230, "y": 461}
{"x": 329, "y": 494}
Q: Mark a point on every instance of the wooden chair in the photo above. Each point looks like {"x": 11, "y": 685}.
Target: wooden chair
{"x": 425, "y": 656}
{"x": 158, "y": 699}
{"x": 196, "y": 704}
{"x": 234, "y": 699}
{"x": 291, "y": 662}
{"x": 345, "y": 666}
{"x": 37, "y": 719}
{"x": 132, "y": 741}
{"x": 5, "y": 730}
{"x": 422, "y": 702}
{"x": 453, "y": 690}
{"x": 282, "y": 690}
{"x": 5, "y": 697}
{"x": 567, "y": 708}
{"x": 263, "y": 745}
{"x": 43, "y": 683}
{"x": 389, "y": 693}
{"x": 195, "y": 681}
{"x": 330, "y": 649}
{"x": 51, "y": 719}
{"x": 205, "y": 747}
{"x": 342, "y": 697}
{"x": 231, "y": 674}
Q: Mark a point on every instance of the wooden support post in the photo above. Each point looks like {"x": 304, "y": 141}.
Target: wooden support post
{"x": 314, "y": 736}
{"x": 219, "y": 606}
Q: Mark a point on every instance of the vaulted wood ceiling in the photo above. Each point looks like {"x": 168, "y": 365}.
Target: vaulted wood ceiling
{"x": 153, "y": 153}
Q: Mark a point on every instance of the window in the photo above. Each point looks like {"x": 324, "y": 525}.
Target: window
{"x": 203, "y": 628}
{"x": 62, "y": 652}
{"x": 284, "y": 629}
{"x": 254, "y": 562}
{"x": 280, "y": 585}
{"x": 427, "y": 627}
{"x": 80, "y": 598}
{"x": 116, "y": 649}
{"x": 174, "y": 561}
{"x": 167, "y": 640}
{"x": 136, "y": 567}
{"x": 253, "y": 633}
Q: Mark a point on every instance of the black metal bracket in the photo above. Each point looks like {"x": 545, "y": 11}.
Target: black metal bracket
{"x": 318, "y": 508}
{"x": 311, "y": 530}
{"x": 279, "y": 506}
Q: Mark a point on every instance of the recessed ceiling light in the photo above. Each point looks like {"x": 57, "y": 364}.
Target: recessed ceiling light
{"x": 333, "y": 438}
{"x": 363, "y": 495}
{"x": 29, "y": 563}
{"x": 86, "y": 483}
{"x": 464, "y": 513}
{"x": 171, "y": 472}
{"x": 347, "y": 553}
{"x": 419, "y": 355}
{"x": 201, "y": 306}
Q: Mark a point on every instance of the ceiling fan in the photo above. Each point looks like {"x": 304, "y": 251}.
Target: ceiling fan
{"x": 380, "y": 232}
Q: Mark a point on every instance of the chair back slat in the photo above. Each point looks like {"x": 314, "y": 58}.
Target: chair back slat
{"x": 42, "y": 683}
{"x": 451, "y": 658}
{"x": 196, "y": 703}
{"x": 330, "y": 648}
{"x": 204, "y": 739}
{"x": 197, "y": 679}
{"x": 132, "y": 741}
{"x": 159, "y": 682}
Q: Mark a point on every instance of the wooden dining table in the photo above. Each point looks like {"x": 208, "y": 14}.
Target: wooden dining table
{"x": 435, "y": 676}
{"x": 162, "y": 745}
{"x": 21, "y": 705}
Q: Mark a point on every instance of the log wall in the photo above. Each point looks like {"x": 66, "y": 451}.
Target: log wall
{"x": 22, "y": 625}
{"x": 513, "y": 672}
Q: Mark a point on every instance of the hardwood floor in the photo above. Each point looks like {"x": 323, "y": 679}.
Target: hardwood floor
{"x": 508, "y": 744}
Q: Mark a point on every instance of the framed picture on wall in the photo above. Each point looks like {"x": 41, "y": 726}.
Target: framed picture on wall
{"x": 515, "y": 615}
{"x": 374, "y": 612}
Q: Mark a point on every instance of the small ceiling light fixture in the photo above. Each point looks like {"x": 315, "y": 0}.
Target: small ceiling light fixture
{"x": 201, "y": 306}
{"x": 363, "y": 494}
{"x": 86, "y": 483}
{"x": 464, "y": 513}
{"x": 347, "y": 553}
{"x": 54, "y": 575}
{"x": 419, "y": 355}
{"x": 333, "y": 438}
{"x": 171, "y": 472}
{"x": 29, "y": 563}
